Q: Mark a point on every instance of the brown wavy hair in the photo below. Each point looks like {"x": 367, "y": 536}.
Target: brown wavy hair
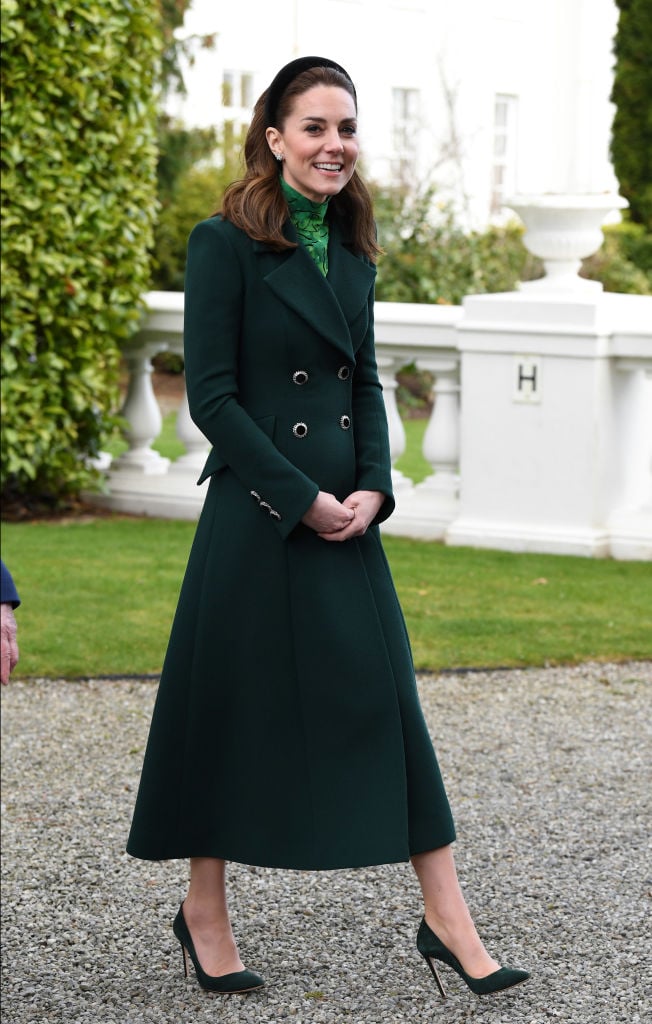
{"x": 256, "y": 203}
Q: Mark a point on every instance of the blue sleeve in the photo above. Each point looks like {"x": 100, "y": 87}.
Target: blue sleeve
{"x": 8, "y": 592}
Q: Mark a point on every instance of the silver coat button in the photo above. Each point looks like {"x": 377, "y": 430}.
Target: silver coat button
{"x": 300, "y": 429}
{"x": 300, "y": 376}
{"x": 345, "y": 422}
{"x": 255, "y": 495}
{"x": 275, "y": 515}
{"x": 343, "y": 373}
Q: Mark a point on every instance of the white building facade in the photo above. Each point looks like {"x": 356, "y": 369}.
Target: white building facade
{"x": 481, "y": 98}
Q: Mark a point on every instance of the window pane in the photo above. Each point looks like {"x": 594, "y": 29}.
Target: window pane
{"x": 503, "y": 171}
{"x": 398, "y": 104}
{"x": 501, "y": 114}
{"x": 247, "y": 91}
{"x": 227, "y": 89}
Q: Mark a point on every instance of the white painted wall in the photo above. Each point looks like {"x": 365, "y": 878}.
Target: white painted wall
{"x": 555, "y": 58}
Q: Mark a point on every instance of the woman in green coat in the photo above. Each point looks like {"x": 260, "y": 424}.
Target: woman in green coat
{"x": 287, "y": 730}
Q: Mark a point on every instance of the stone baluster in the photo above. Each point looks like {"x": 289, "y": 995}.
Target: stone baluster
{"x": 427, "y": 510}
{"x": 191, "y": 437}
{"x": 142, "y": 413}
{"x": 388, "y": 367}
{"x": 631, "y": 524}
{"x": 441, "y": 443}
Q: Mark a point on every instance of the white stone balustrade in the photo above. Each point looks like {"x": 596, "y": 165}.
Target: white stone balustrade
{"x": 141, "y": 481}
{"x": 540, "y": 438}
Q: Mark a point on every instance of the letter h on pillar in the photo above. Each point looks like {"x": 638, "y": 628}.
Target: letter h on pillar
{"x": 527, "y": 379}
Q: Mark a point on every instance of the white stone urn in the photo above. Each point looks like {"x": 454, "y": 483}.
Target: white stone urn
{"x": 562, "y": 230}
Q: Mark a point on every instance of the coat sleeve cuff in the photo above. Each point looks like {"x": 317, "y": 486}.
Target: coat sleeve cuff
{"x": 289, "y": 513}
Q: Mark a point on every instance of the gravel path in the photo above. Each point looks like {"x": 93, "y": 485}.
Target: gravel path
{"x": 549, "y": 776}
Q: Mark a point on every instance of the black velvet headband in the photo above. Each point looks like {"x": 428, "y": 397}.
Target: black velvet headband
{"x": 288, "y": 74}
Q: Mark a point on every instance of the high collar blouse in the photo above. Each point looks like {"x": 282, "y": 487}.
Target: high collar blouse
{"x": 309, "y": 219}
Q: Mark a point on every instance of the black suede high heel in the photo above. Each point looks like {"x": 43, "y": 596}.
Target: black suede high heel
{"x": 432, "y": 948}
{"x": 239, "y": 981}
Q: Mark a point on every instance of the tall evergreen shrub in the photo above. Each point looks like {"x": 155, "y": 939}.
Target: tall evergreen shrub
{"x": 78, "y": 202}
{"x": 631, "y": 144}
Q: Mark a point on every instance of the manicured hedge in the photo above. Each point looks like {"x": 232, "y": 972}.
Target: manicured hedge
{"x": 631, "y": 144}
{"x": 78, "y": 204}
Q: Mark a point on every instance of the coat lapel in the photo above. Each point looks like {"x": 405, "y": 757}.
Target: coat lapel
{"x": 349, "y": 277}
{"x": 328, "y": 305}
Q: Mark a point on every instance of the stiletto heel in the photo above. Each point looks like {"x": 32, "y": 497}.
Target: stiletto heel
{"x": 239, "y": 981}
{"x": 432, "y": 948}
{"x": 435, "y": 974}
{"x": 185, "y": 960}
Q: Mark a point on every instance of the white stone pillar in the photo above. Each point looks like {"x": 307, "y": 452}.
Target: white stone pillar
{"x": 142, "y": 413}
{"x": 541, "y": 421}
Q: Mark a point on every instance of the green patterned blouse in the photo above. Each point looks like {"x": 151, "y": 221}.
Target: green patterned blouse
{"x": 309, "y": 219}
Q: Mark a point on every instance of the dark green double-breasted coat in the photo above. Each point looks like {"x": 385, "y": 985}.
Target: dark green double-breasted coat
{"x": 287, "y": 730}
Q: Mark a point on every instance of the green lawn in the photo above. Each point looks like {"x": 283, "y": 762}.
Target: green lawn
{"x": 99, "y": 596}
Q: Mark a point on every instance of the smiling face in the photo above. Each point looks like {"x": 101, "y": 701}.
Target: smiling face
{"x": 318, "y": 142}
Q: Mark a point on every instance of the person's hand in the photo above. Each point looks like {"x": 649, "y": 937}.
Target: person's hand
{"x": 9, "y": 644}
{"x": 365, "y": 506}
{"x": 327, "y": 515}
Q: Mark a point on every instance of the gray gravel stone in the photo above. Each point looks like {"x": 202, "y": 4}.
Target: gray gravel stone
{"x": 548, "y": 773}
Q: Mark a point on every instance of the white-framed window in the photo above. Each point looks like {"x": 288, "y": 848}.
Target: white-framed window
{"x": 503, "y": 168}
{"x": 406, "y": 120}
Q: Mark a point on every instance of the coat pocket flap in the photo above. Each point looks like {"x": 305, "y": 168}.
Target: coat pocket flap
{"x": 215, "y": 462}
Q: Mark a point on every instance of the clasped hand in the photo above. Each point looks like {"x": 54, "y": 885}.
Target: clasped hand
{"x": 335, "y": 520}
